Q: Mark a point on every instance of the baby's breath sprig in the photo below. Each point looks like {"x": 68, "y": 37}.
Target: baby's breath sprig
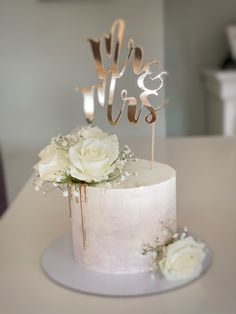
{"x": 158, "y": 251}
{"x": 120, "y": 174}
{"x": 126, "y": 154}
{"x": 65, "y": 142}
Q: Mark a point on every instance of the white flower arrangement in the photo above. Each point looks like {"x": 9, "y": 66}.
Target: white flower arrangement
{"x": 86, "y": 156}
{"x": 181, "y": 258}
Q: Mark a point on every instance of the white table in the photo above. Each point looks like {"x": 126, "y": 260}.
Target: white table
{"x": 206, "y": 189}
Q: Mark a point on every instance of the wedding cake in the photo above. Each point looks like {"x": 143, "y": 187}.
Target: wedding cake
{"x": 122, "y": 217}
{"x": 117, "y": 202}
{"x": 122, "y": 209}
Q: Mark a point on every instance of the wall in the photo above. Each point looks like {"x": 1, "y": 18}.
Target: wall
{"x": 44, "y": 55}
{"x": 195, "y": 40}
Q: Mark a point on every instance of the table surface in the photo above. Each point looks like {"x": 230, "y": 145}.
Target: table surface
{"x": 206, "y": 202}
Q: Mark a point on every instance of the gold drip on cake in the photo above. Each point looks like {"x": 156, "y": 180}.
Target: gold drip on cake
{"x": 69, "y": 198}
{"x": 82, "y": 198}
{"x": 85, "y": 193}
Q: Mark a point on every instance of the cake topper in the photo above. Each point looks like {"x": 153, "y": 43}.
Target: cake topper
{"x": 109, "y": 75}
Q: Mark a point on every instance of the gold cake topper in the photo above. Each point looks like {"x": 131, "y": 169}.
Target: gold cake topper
{"x": 108, "y": 77}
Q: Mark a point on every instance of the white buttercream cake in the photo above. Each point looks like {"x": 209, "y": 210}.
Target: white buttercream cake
{"x": 121, "y": 217}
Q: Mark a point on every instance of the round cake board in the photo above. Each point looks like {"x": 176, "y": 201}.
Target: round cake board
{"x": 59, "y": 264}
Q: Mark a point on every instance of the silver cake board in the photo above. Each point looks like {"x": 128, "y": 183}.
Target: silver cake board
{"x": 58, "y": 263}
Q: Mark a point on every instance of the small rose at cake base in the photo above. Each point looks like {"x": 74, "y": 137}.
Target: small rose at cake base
{"x": 179, "y": 259}
{"x": 183, "y": 259}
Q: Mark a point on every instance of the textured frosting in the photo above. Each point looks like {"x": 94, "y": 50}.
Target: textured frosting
{"x": 120, "y": 219}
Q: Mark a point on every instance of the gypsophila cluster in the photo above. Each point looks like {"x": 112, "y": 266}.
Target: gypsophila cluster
{"x": 157, "y": 250}
{"x": 125, "y": 156}
{"x": 180, "y": 258}
{"x": 65, "y": 142}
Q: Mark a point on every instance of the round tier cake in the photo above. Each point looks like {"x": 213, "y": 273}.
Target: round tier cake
{"x": 123, "y": 216}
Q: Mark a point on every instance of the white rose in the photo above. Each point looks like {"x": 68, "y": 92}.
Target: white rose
{"x": 94, "y": 156}
{"x": 183, "y": 259}
{"x": 53, "y": 162}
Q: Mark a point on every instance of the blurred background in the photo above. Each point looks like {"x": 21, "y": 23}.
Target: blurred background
{"x": 44, "y": 55}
